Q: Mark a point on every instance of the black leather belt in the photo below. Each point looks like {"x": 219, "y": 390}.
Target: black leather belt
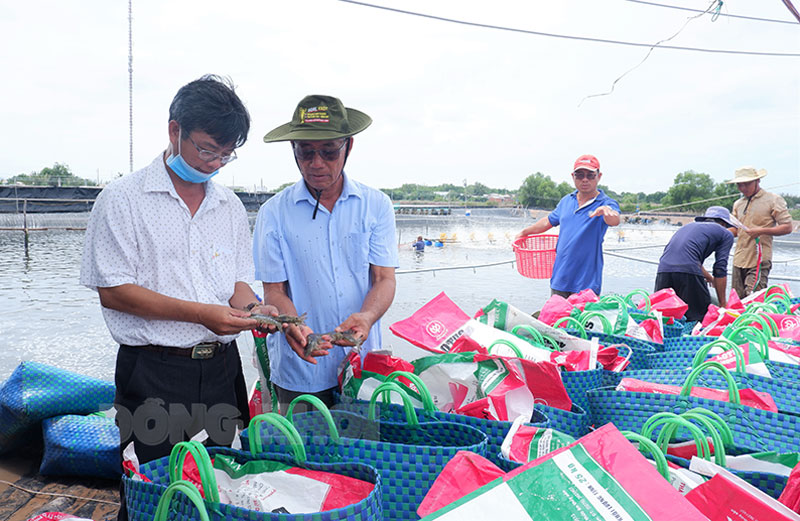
{"x": 201, "y": 351}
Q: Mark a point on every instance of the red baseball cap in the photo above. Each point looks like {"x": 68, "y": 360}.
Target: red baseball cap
{"x": 586, "y": 163}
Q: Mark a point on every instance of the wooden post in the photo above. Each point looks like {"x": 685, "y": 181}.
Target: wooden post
{"x": 25, "y": 223}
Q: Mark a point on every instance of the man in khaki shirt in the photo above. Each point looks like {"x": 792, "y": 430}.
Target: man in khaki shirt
{"x": 764, "y": 215}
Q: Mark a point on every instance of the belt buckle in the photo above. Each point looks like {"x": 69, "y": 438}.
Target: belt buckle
{"x": 204, "y": 350}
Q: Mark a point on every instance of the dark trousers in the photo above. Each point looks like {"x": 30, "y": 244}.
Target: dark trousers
{"x": 286, "y": 396}
{"x": 565, "y": 294}
{"x": 691, "y": 288}
{"x": 163, "y": 398}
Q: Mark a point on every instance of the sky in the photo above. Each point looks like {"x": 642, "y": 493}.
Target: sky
{"x": 450, "y": 102}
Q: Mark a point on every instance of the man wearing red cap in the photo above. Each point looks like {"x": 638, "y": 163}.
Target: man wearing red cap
{"x": 584, "y": 216}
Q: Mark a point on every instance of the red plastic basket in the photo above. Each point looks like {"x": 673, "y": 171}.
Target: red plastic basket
{"x": 536, "y": 255}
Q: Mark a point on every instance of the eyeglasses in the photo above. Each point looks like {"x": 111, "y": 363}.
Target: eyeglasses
{"x": 208, "y": 156}
{"x": 580, "y": 175}
{"x": 307, "y": 153}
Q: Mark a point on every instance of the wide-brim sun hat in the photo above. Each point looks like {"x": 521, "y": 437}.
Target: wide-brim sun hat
{"x": 747, "y": 174}
{"x": 319, "y": 118}
{"x": 719, "y": 212}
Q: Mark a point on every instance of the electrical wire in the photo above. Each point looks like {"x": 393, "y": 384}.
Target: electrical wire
{"x": 718, "y": 3}
{"x": 755, "y": 18}
{"x": 571, "y": 37}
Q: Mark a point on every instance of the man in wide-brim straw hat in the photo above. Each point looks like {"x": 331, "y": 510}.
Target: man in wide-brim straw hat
{"x": 324, "y": 246}
{"x": 763, "y": 216}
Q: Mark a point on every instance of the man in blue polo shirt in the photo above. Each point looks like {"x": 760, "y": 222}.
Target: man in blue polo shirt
{"x": 584, "y": 216}
{"x": 324, "y": 246}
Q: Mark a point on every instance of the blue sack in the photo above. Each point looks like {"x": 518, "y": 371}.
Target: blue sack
{"x": 80, "y": 446}
{"x": 37, "y": 391}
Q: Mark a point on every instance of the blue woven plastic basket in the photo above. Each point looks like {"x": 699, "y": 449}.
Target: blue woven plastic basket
{"x": 754, "y": 430}
{"x": 37, "y": 391}
{"x": 142, "y": 497}
{"x": 80, "y": 446}
{"x": 578, "y": 382}
{"x": 409, "y": 457}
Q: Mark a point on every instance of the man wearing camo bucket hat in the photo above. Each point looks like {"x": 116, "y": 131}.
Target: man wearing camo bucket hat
{"x": 324, "y": 246}
{"x": 763, "y": 216}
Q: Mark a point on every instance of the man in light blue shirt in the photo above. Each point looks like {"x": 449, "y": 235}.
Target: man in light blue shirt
{"x": 584, "y": 216}
{"x": 324, "y": 246}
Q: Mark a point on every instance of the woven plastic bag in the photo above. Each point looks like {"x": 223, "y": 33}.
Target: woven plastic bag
{"x": 408, "y": 455}
{"x": 143, "y": 497}
{"x": 37, "y": 391}
{"x": 754, "y": 430}
{"x": 417, "y": 392}
{"x": 80, "y": 446}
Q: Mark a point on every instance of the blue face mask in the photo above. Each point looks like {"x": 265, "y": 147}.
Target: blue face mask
{"x": 186, "y": 172}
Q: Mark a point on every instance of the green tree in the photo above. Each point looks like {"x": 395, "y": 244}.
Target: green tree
{"x": 687, "y": 187}
{"x": 564, "y": 188}
{"x": 57, "y": 175}
{"x": 539, "y": 190}
{"x": 725, "y": 189}
{"x": 478, "y": 189}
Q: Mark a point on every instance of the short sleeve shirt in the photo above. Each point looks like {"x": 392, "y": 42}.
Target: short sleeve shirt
{"x": 326, "y": 263}
{"x": 141, "y": 232}
{"x": 764, "y": 209}
{"x": 579, "y": 252}
{"x": 694, "y": 243}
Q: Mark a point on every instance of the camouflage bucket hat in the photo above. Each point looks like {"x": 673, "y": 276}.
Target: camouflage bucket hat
{"x": 318, "y": 118}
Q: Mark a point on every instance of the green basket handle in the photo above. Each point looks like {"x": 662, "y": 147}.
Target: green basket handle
{"x": 201, "y": 459}
{"x": 779, "y": 299}
{"x": 721, "y": 425}
{"x": 411, "y": 416}
{"x": 745, "y": 319}
{"x": 726, "y": 344}
{"x": 666, "y": 418}
{"x": 733, "y": 389}
{"x": 776, "y": 296}
{"x": 713, "y": 428}
{"x": 671, "y": 428}
{"x": 775, "y": 286}
{"x": 504, "y": 342}
{"x": 588, "y": 315}
{"x": 750, "y": 334}
{"x": 424, "y": 392}
{"x": 756, "y": 307}
{"x": 535, "y": 335}
{"x": 652, "y": 448}
{"x": 162, "y": 510}
{"x": 621, "y": 304}
{"x": 321, "y": 407}
{"x": 646, "y": 298}
{"x": 573, "y": 320}
{"x": 283, "y": 425}
{"x": 620, "y": 301}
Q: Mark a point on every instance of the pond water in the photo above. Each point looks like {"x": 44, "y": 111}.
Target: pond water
{"x": 46, "y": 316}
